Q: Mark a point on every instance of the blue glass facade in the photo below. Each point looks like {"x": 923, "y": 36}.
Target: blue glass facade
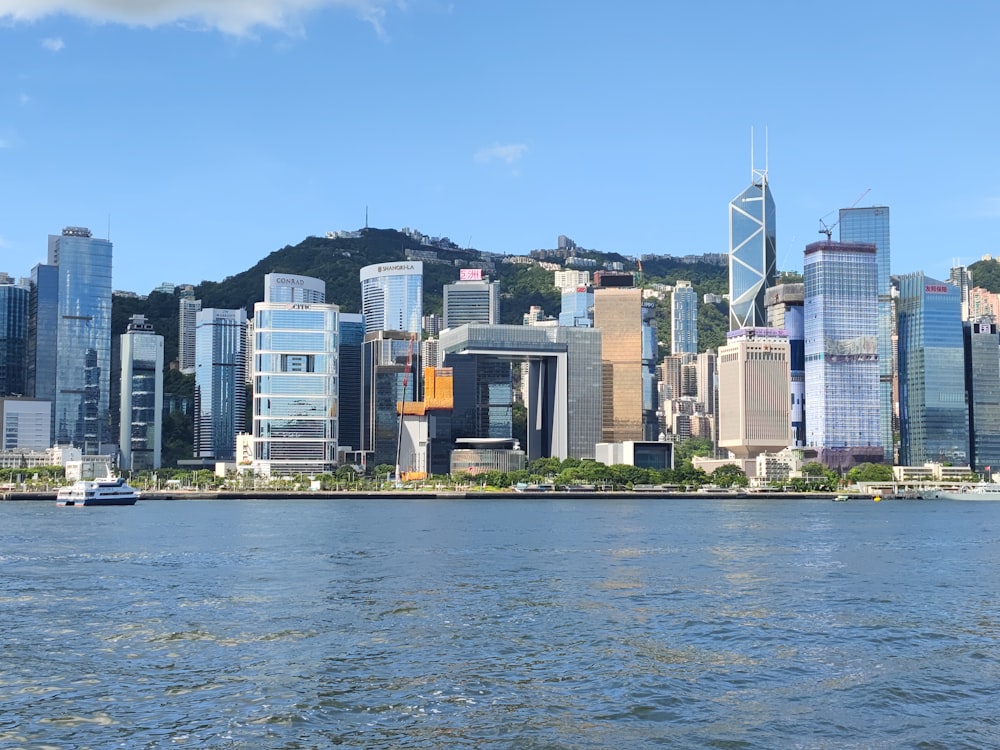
{"x": 219, "y": 390}
{"x": 577, "y": 307}
{"x": 841, "y": 350}
{"x": 295, "y": 409}
{"x": 352, "y": 336}
{"x": 752, "y": 253}
{"x": 13, "y": 339}
{"x": 933, "y": 414}
{"x": 75, "y": 299}
{"x": 982, "y": 383}
{"x": 871, "y": 226}
{"x": 684, "y": 319}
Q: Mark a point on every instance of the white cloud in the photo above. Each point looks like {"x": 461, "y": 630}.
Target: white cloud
{"x": 53, "y": 44}
{"x": 237, "y": 17}
{"x": 509, "y": 153}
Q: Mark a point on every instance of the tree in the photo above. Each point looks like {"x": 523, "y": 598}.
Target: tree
{"x": 870, "y": 473}
{"x": 730, "y": 475}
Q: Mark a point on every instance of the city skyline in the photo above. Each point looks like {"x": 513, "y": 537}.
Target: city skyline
{"x": 191, "y": 150}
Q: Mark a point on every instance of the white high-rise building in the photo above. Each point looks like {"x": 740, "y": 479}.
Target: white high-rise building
{"x": 295, "y": 386}
{"x": 141, "y": 414}
{"x": 187, "y": 322}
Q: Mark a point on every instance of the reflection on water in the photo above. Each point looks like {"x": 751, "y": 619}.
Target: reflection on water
{"x": 553, "y": 623}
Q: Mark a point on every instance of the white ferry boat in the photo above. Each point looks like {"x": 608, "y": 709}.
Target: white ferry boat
{"x": 97, "y": 492}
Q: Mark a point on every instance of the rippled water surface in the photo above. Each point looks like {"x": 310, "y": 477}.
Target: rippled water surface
{"x": 502, "y": 623}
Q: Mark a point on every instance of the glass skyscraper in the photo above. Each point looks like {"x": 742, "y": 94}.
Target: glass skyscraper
{"x": 392, "y": 296}
{"x": 13, "y": 338}
{"x": 982, "y": 383}
{"x": 141, "y": 399}
{"x": 933, "y": 414}
{"x": 219, "y": 382}
{"x": 841, "y": 353}
{"x": 752, "y": 252}
{"x": 69, "y": 361}
{"x": 577, "y": 307}
{"x": 871, "y": 226}
{"x": 683, "y": 319}
{"x": 295, "y": 377}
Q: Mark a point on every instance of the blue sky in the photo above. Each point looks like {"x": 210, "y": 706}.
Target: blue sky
{"x": 209, "y": 133}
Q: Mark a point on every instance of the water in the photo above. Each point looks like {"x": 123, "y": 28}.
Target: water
{"x": 503, "y": 623}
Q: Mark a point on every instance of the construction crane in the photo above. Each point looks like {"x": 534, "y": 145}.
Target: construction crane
{"x": 828, "y": 230}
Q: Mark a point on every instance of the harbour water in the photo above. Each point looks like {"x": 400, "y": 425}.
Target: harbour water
{"x": 501, "y": 623}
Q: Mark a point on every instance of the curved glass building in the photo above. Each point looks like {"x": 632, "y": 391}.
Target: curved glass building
{"x": 392, "y": 296}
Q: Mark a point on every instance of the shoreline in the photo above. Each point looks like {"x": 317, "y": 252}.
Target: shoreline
{"x": 457, "y": 495}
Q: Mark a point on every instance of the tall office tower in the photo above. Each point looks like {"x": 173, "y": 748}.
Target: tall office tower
{"x": 669, "y": 375}
{"x": 754, "y": 380}
{"x": 961, "y": 277}
{"x": 141, "y": 414}
{"x": 392, "y": 296}
{"x": 683, "y": 319}
{"x": 13, "y": 337}
{"x": 982, "y": 383}
{"x": 187, "y": 322}
{"x": 618, "y": 313}
{"x": 784, "y": 306}
{"x": 752, "y": 252}
{"x": 392, "y": 305}
{"x": 43, "y": 314}
{"x": 219, "y": 384}
{"x": 295, "y": 377}
{"x": 841, "y": 351}
{"x": 934, "y": 415}
{"x": 70, "y": 338}
{"x": 577, "y": 307}
{"x": 471, "y": 300}
{"x": 871, "y": 226}
{"x": 352, "y": 337}
{"x": 650, "y": 424}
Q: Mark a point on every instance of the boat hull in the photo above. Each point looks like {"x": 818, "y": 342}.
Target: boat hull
{"x": 93, "y": 502}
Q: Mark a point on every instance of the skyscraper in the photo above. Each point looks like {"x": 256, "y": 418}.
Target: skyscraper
{"x": 392, "y": 305}
{"x": 219, "y": 389}
{"x": 841, "y": 353}
{"x": 187, "y": 324}
{"x": 70, "y": 338}
{"x": 141, "y": 413}
{"x": 471, "y": 301}
{"x": 392, "y": 296}
{"x": 618, "y": 314}
{"x": 784, "y": 305}
{"x": 933, "y": 413}
{"x": 754, "y": 377}
{"x": 871, "y": 226}
{"x": 683, "y": 319}
{"x": 350, "y": 341}
{"x": 752, "y": 252}
{"x": 295, "y": 377}
{"x": 13, "y": 337}
{"x": 982, "y": 383}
